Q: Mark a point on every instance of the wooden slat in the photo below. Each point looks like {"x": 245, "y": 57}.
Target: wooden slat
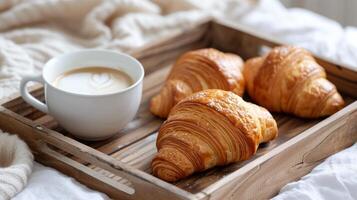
{"x": 140, "y": 154}
{"x": 36, "y": 135}
{"x": 13, "y": 100}
{"x": 107, "y": 184}
{"x": 263, "y": 178}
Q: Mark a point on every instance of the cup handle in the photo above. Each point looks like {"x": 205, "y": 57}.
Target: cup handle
{"x": 28, "y": 97}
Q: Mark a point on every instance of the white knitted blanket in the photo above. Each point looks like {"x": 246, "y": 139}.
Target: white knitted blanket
{"x": 33, "y": 31}
{"x": 15, "y": 165}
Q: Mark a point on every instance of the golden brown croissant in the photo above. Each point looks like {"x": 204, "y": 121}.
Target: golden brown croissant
{"x": 209, "y": 128}
{"x": 289, "y": 80}
{"x": 199, "y": 70}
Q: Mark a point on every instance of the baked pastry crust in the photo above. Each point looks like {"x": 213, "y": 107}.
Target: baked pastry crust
{"x": 288, "y": 79}
{"x": 199, "y": 70}
{"x": 210, "y": 128}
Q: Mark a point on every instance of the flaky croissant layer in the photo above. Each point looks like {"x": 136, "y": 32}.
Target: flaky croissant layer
{"x": 288, "y": 79}
{"x": 210, "y": 128}
{"x": 195, "y": 71}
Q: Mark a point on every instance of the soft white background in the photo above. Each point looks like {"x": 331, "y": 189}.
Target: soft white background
{"x": 33, "y": 31}
{"x": 343, "y": 11}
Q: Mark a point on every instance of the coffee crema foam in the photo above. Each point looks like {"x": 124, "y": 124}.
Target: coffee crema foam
{"x": 93, "y": 81}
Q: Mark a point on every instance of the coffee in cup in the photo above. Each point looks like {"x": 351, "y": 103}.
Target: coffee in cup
{"x": 93, "y": 80}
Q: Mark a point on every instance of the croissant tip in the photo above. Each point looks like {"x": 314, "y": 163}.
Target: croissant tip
{"x": 155, "y": 107}
{"x": 334, "y": 104}
{"x": 164, "y": 170}
{"x": 166, "y": 175}
{"x": 152, "y": 106}
{"x": 337, "y": 106}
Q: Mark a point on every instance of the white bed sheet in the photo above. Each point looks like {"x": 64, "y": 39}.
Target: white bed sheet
{"x": 48, "y": 184}
{"x": 335, "y": 178}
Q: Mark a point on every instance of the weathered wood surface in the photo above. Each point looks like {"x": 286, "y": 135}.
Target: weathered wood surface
{"x": 122, "y": 163}
{"x": 39, "y": 138}
{"x": 264, "y": 177}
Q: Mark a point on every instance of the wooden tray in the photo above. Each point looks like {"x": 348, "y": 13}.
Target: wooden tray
{"x": 120, "y": 166}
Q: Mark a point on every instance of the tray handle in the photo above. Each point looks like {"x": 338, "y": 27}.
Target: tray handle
{"x": 86, "y": 170}
{"x": 144, "y": 186}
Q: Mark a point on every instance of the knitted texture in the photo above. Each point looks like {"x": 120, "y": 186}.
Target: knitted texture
{"x": 33, "y": 31}
{"x": 15, "y": 165}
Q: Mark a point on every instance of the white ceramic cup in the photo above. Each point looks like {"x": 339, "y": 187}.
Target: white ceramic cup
{"x": 89, "y": 117}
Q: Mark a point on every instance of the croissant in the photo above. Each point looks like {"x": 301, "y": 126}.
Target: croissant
{"x": 195, "y": 71}
{"x": 288, "y": 79}
{"x": 210, "y": 128}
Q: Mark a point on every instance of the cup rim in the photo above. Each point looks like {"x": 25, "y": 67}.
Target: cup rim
{"x": 142, "y": 72}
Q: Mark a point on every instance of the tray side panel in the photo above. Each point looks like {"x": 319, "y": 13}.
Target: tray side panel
{"x": 38, "y": 138}
{"x": 247, "y": 43}
{"x": 263, "y": 178}
{"x": 33, "y": 139}
{"x": 158, "y": 54}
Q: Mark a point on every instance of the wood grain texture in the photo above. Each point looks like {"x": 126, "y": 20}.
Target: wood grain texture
{"x": 38, "y": 137}
{"x": 264, "y": 177}
{"x": 121, "y": 164}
